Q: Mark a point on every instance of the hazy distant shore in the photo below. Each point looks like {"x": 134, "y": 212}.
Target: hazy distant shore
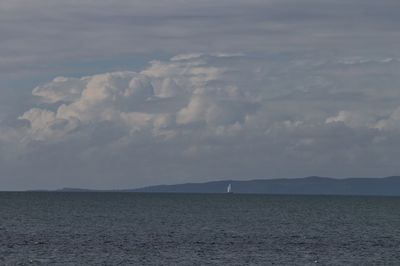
{"x": 387, "y": 186}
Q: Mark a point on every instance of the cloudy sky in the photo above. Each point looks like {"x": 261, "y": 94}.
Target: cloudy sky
{"x": 128, "y": 93}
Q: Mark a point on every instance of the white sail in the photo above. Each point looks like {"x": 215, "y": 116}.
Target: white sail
{"x": 229, "y": 188}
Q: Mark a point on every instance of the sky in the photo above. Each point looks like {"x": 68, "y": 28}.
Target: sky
{"x": 126, "y": 93}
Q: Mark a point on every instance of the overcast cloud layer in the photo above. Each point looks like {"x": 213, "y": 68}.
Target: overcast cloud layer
{"x": 116, "y": 94}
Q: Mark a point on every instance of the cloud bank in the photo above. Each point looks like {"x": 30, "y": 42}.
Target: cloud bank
{"x": 194, "y": 118}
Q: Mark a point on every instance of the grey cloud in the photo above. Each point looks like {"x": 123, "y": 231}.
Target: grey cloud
{"x": 94, "y": 29}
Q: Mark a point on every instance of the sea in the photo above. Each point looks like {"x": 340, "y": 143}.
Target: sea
{"x": 49, "y": 228}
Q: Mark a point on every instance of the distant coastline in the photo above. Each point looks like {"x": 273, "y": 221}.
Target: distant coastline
{"x": 314, "y": 185}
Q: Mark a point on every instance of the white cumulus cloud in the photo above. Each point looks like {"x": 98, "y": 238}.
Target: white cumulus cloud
{"x": 207, "y": 115}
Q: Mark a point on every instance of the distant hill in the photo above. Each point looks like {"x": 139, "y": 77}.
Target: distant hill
{"x": 69, "y": 189}
{"x": 387, "y": 186}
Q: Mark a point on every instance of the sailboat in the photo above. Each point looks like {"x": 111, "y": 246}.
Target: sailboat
{"x": 229, "y": 189}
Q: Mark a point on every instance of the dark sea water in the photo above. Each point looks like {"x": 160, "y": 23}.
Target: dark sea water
{"x": 184, "y": 229}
